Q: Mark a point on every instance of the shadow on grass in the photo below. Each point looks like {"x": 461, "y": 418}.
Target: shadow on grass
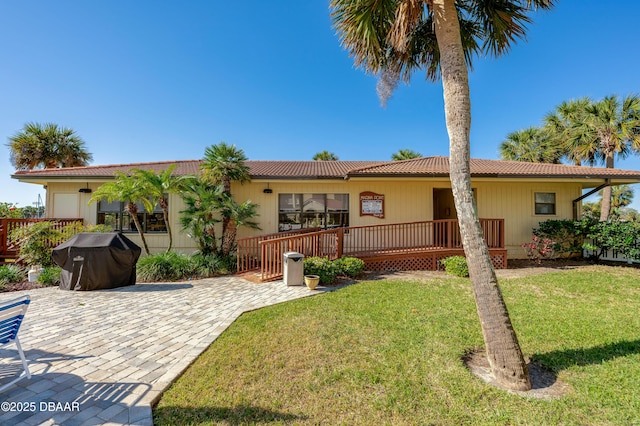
{"x": 563, "y": 359}
{"x": 240, "y": 414}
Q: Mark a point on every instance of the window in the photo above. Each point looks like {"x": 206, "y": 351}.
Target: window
{"x": 297, "y": 211}
{"x": 545, "y": 202}
{"x": 113, "y": 215}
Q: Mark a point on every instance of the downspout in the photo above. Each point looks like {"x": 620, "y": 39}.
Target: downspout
{"x": 607, "y": 182}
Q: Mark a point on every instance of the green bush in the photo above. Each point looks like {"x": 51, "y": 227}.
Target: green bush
{"x": 567, "y": 235}
{"x": 50, "y": 276}
{"x": 456, "y": 265}
{"x": 171, "y": 266}
{"x": 36, "y": 242}
{"x": 10, "y": 274}
{"x": 622, "y": 237}
{"x": 352, "y": 267}
{"x": 208, "y": 265}
{"x": 323, "y": 267}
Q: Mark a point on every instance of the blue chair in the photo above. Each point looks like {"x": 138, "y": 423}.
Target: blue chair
{"x": 11, "y": 316}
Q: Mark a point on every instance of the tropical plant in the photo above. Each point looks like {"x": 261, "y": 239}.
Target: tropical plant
{"x": 600, "y": 131}
{"x": 131, "y": 191}
{"x": 405, "y": 154}
{"x": 393, "y": 39}
{"x": 531, "y": 145}
{"x": 200, "y": 216}
{"x": 50, "y": 276}
{"x": 10, "y": 274}
{"x": 36, "y": 242}
{"x": 157, "y": 186}
{"x": 223, "y": 164}
{"x": 621, "y": 197}
{"x": 47, "y": 145}
{"x": 558, "y": 126}
{"x": 167, "y": 266}
{"x": 325, "y": 156}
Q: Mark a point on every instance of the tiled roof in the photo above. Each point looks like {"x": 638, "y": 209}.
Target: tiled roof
{"x": 420, "y": 167}
{"x": 439, "y": 166}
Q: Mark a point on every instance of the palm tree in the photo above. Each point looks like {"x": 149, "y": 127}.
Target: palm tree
{"x": 224, "y": 163}
{"x": 393, "y": 39}
{"x": 531, "y": 145}
{"x": 405, "y": 154}
{"x": 221, "y": 165}
{"x": 325, "y": 156}
{"x": 609, "y": 128}
{"x": 559, "y": 128}
{"x": 199, "y": 218}
{"x": 131, "y": 191}
{"x": 47, "y": 146}
{"x": 157, "y": 186}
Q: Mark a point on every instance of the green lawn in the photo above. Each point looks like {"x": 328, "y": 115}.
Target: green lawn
{"x": 388, "y": 352}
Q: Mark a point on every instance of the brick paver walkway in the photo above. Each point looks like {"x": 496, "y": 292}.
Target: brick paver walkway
{"x": 104, "y": 357}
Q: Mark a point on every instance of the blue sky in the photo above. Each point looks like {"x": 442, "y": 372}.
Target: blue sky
{"x": 146, "y": 81}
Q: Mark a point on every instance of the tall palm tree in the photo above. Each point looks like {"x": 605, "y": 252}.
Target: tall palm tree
{"x": 611, "y": 128}
{"x": 131, "y": 191}
{"x": 405, "y": 154}
{"x": 47, "y": 145}
{"x": 224, "y": 163}
{"x": 325, "y": 156}
{"x": 531, "y": 145}
{"x": 394, "y": 38}
{"x": 559, "y": 127}
{"x": 157, "y": 187}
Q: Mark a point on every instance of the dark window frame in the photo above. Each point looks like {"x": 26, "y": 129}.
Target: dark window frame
{"x": 119, "y": 218}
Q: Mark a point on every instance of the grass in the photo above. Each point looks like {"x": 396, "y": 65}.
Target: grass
{"x": 388, "y": 352}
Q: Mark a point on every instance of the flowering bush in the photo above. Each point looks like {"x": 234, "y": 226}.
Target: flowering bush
{"x": 539, "y": 248}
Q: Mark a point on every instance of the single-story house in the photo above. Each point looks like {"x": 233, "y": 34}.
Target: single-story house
{"x": 299, "y": 194}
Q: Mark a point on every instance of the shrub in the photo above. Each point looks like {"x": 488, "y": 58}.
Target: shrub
{"x": 50, "y": 276}
{"x": 456, "y": 265}
{"x": 567, "y": 235}
{"x": 622, "y": 237}
{"x": 207, "y": 265}
{"x": 10, "y": 274}
{"x": 36, "y": 243}
{"x": 539, "y": 248}
{"x": 352, "y": 267}
{"x": 171, "y": 266}
{"x": 323, "y": 267}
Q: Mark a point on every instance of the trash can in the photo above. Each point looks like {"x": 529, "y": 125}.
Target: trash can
{"x": 293, "y": 268}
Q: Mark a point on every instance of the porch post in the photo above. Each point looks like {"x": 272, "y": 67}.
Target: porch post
{"x": 340, "y": 242}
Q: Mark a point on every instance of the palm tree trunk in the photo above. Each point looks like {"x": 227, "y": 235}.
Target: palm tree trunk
{"x": 503, "y": 351}
{"x": 133, "y": 211}
{"x": 605, "y": 205}
{"x": 165, "y": 217}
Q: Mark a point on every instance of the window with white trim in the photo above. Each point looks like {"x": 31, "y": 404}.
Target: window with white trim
{"x": 545, "y": 203}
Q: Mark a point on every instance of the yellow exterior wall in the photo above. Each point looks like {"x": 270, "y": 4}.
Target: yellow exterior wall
{"x": 406, "y": 200}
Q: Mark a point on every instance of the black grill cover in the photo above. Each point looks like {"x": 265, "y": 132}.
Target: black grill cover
{"x": 95, "y": 261}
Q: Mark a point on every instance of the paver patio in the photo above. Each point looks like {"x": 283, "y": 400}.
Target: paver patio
{"x": 104, "y": 357}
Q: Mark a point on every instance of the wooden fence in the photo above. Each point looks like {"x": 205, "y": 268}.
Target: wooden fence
{"x": 8, "y": 245}
{"x": 265, "y": 253}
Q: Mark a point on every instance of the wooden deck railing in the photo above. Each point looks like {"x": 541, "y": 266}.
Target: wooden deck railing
{"x": 249, "y": 254}
{"x": 8, "y": 247}
{"x": 359, "y": 241}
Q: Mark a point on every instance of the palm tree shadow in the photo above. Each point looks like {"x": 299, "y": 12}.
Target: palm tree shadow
{"x": 240, "y": 414}
{"x": 563, "y": 359}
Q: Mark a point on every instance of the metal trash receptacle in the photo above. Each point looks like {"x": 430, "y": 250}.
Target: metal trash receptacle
{"x": 293, "y": 268}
